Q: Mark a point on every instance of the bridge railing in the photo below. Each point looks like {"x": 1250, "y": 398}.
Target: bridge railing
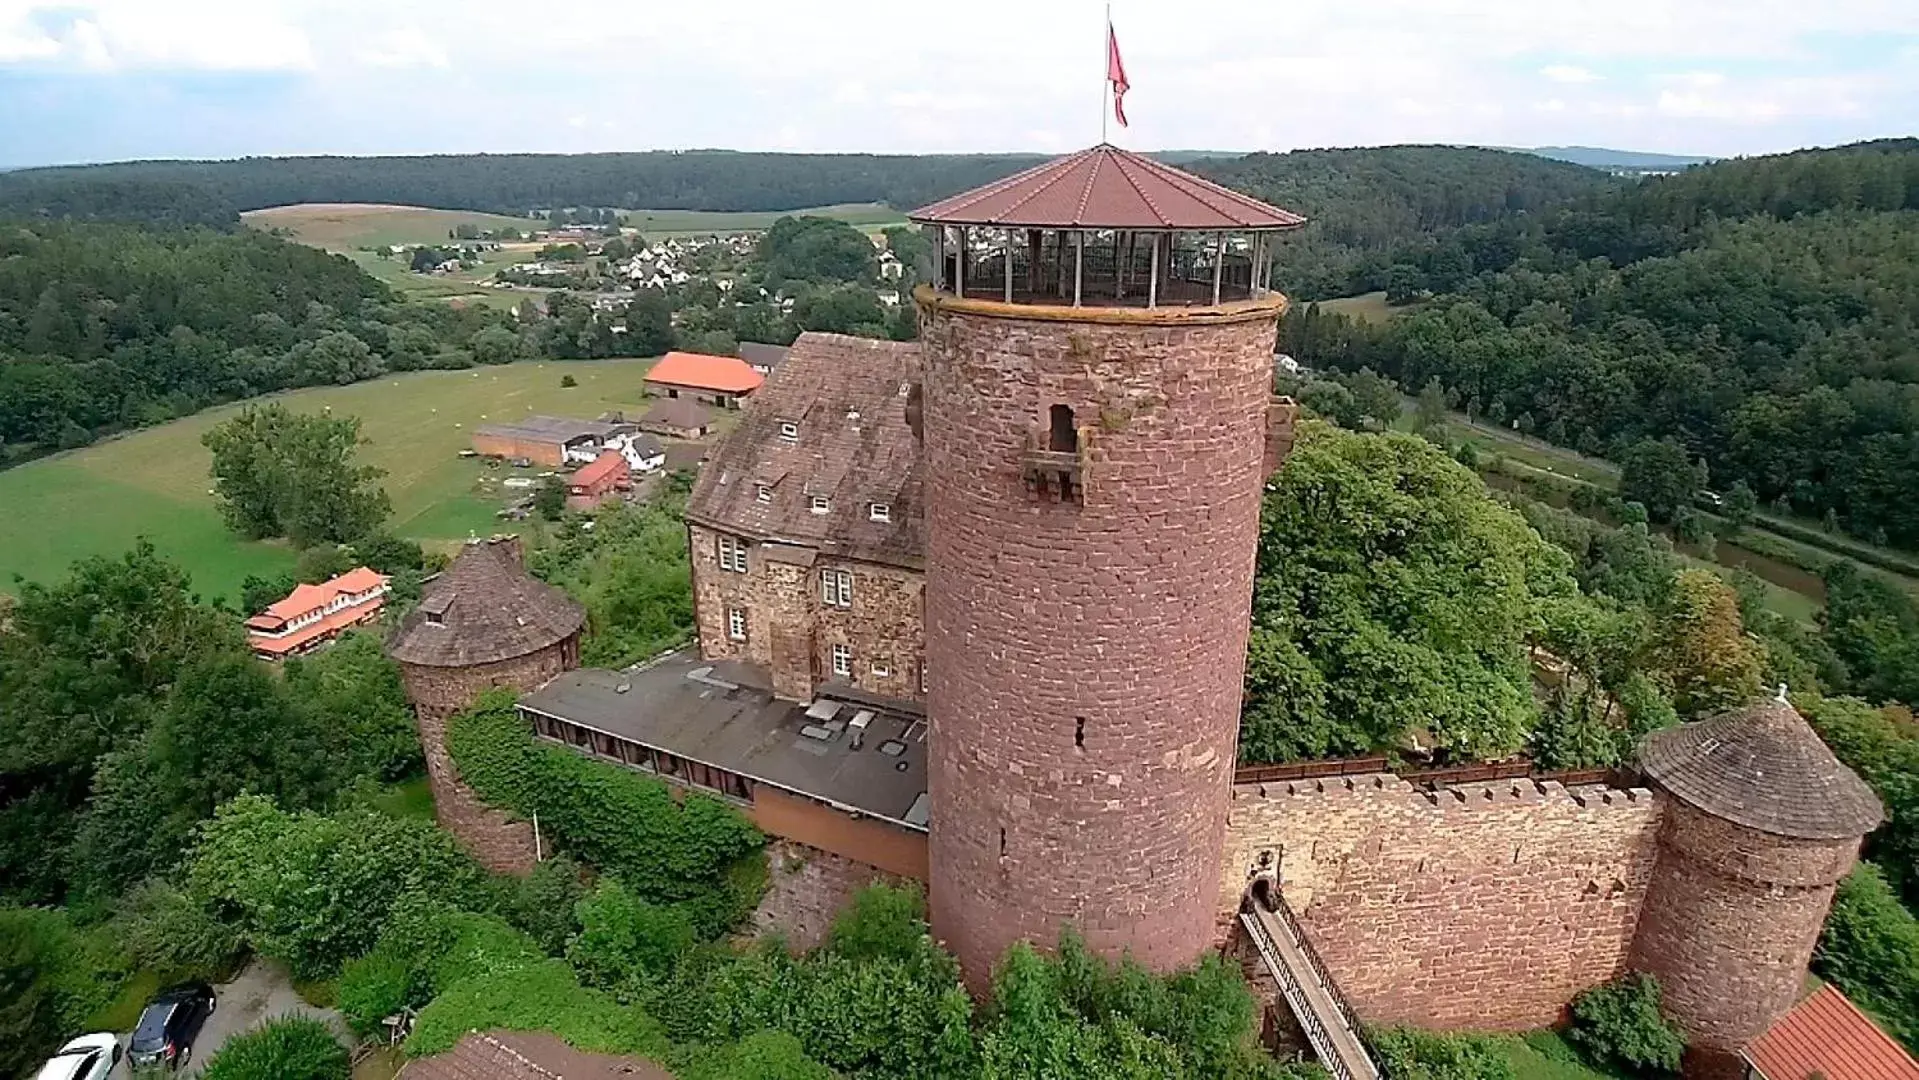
{"x": 1325, "y": 977}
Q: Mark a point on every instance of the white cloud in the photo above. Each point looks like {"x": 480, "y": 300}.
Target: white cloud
{"x": 403, "y": 48}
{"x": 1013, "y": 74}
{"x": 118, "y": 35}
{"x": 1569, "y": 73}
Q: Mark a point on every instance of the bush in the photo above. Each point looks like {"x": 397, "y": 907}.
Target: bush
{"x": 1620, "y": 1025}
{"x": 1870, "y": 949}
{"x": 542, "y": 903}
{"x": 568, "y": 382}
{"x": 763, "y": 1055}
{"x": 285, "y": 1048}
{"x": 542, "y": 997}
{"x": 169, "y": 931}
{"x": 53, "y": 977}
{"x": 882, "y": 921}
{"x": 376, "y": 986}
{"x": 624, "y": 938}
{"x": 1411, "y": 1054}
{"x": 427, "y": 947}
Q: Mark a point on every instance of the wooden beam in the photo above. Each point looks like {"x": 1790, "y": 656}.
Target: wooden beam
{"x": 1152, "y": 276}
{"x": 1219, "y": 266}
{"x": 1079, "y": 262}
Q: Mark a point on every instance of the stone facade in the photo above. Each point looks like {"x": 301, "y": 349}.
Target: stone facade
{"x": 497, "y": 840}
{"x": 1731, "y": 922}
{"x": 1486, "y": 907}
{"x": 791, "y": 630}
{"x": 807, "y": 888}
{"x": 1084, "y": 655}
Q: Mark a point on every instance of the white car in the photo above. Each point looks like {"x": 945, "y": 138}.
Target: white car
{"x": 89, "y": 1057}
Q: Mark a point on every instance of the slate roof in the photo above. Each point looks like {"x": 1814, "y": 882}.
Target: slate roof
{"x": 556, "y": 429}
{"x": 526, "y": 1055}
{"x": 1762, "y": 766}
{"x": 760, "y": 354}
{"x": 489, "y": 609}
{"x": 847, "y": 397}
{"x": 677, "y": 413}
{"x": 1107, "y": 188}
{"x": 725, "y": 374}
{"x": 1826, "y": 1035}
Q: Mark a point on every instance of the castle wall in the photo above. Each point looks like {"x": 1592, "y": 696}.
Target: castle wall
{"x": 1731, "y": 923}
{"x": 807, "y": 888}
{"x": 1487, "y": 907}
{"x": 497, "y": 840}
{"x": 1084, "y": 657}
{"x": 791, "y": 631}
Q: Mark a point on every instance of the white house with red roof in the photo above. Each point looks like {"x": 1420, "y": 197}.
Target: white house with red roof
{"x": 313, "y": 614}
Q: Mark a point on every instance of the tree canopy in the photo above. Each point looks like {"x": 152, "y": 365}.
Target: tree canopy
{"x": 1392, "y": 607}
{"x": 281, "y": 473}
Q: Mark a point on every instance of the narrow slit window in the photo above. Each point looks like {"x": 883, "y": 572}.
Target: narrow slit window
{"x": 1079, "y": 732}
{"x": 1061, "y": 434}
{"x": 1002, "y": 843}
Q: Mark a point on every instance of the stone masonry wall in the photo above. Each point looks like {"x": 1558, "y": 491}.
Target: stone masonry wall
{"x": 807, "y": 888}
{"x": 791, "y": 632}
{"x": 1731, "y": 922}
{"x": 1488, "y": 907}
{"x": 1084, "y": 658}
{"x": 497, "y": 840}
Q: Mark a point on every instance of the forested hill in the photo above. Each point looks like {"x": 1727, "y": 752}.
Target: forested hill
{"x": 516, "y": 183}
{"x": 1758, "y": 313}
{"x": 1364, "y": 204}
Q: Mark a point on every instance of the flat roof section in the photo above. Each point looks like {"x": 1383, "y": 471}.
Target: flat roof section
{"x": 724, "y": 715}
{"x": 558, "y": 429}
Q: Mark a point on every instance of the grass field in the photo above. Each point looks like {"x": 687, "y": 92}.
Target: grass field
{"x": 153, "y": 483}
{"x": 463, "y": 286}
{"x": 347, "y": 226}
{"x": 1366, "y": 307}
{"x": 1543, "y": 1055}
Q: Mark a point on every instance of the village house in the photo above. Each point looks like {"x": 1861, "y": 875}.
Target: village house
{"x": 553, "y": 441}
{"x": 602, "y": 478}
{"x": 643, "y": 453}
{"x": 762, "y": 357}
{"x": 312, "y": 615}
{"x": 723, "y": 381}
{"x": 677, "y": 418}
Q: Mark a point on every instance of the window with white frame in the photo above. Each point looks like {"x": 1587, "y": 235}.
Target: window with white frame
{"x": 763, "y": 493}
{"x": 880, "y": 670}
{"x": 843, "y": 661}
{"x": 732, "y": 553}
{"x": 836, "y": 588}
{"x": 880, "y": 512}
{"x": 789, "y": 431}
{"x": 736, "y": 623}
{"x": 820, "y": 505}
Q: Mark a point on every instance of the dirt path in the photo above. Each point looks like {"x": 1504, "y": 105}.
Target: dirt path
{"x": 258, "y": 994}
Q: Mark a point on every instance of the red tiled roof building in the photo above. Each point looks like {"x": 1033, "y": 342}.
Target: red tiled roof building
{"x": 718, "y": 380}
{"x": 1097, "y": 351}
{"x": 1826, "y": 1036}
{"x": 311, "y": 615}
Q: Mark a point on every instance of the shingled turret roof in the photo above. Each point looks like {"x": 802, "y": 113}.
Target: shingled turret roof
{"x": 1107, "y": 188}
{"x": 1762, "y": 766}
{"x": 483, "y": 609}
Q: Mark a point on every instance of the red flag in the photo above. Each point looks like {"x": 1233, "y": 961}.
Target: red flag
{"x": 1116, "y": 74}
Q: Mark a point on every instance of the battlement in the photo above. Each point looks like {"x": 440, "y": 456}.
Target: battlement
{"x": 1419, "y": 897}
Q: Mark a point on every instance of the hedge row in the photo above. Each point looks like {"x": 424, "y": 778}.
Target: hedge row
{"x": 695, "y": 850}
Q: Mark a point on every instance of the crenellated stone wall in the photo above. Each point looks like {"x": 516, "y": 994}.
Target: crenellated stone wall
{"x": 1489, "y": 906}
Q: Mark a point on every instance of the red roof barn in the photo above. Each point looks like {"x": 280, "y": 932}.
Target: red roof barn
{"x": 720, "y": 380}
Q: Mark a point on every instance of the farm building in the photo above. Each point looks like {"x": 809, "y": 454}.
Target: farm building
{"x": 724, "y": 381}
{"x": 643, "y": 453}
{"x": 311, "y": 615}
{"x": 677, "y": 418}
{"x": 762, "y": 357}
{"x": 604, "y": 476}
{"x": 545, "y": 440}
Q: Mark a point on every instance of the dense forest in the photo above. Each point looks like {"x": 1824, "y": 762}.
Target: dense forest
{"x": 1365, "y": 205}
{"x": 1758, "y": 314}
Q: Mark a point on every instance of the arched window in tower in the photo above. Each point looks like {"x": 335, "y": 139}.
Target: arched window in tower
{"x": 1062, "y": 436}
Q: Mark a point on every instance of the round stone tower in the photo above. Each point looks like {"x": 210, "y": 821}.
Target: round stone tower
{"x": 1762, "y": 822}
{"x": 1098, "y": 350}
{"x": 483, "y": 623}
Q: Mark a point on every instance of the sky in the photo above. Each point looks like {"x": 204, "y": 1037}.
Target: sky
{"x": 116, "y": 79}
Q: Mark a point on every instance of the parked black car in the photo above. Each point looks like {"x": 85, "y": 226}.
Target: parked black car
{"x": 169, "y": 1024}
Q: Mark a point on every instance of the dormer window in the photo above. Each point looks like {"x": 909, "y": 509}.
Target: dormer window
{"x": 763, "y": 493}
{"x": 820, "y": 505}
{"x": 789, "y": 431}
{"x": 880, "y": 512}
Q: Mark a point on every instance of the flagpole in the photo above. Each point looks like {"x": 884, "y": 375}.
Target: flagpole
{"x": 1105, "y": 83}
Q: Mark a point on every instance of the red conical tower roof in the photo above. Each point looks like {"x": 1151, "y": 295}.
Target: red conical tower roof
{"x": 1107, "y": 188}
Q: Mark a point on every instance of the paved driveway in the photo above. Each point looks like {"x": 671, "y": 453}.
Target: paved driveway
{"x": 258, "y": 994}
